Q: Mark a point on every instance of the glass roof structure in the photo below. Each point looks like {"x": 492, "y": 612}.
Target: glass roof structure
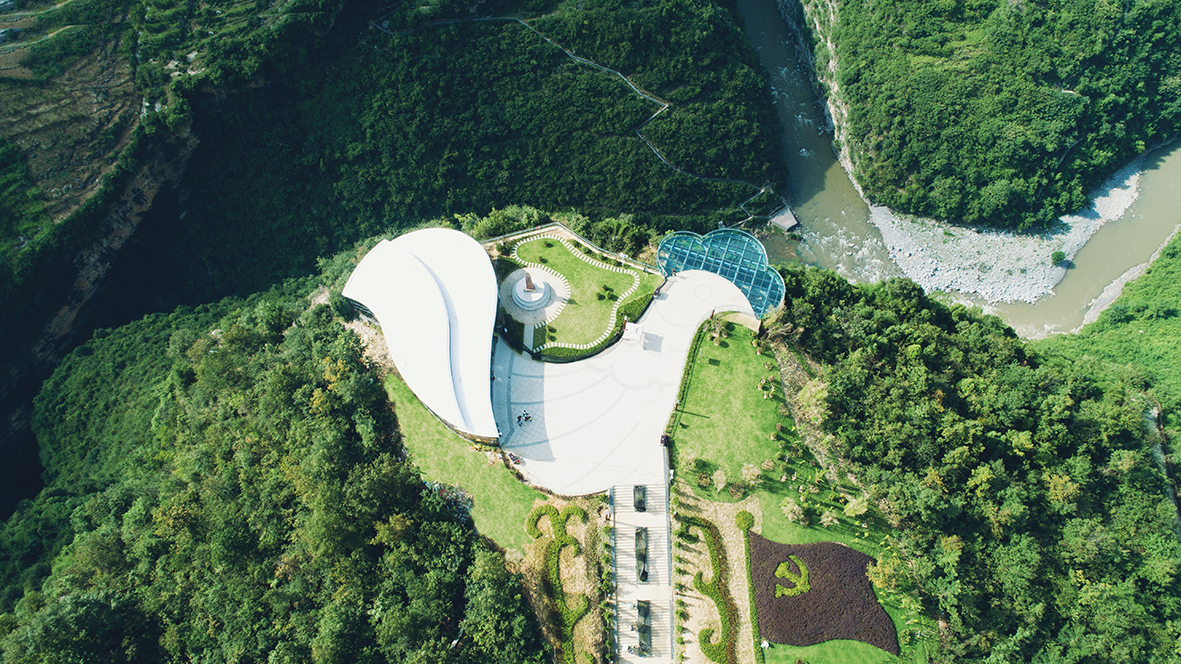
{"x": 731, "y": 253}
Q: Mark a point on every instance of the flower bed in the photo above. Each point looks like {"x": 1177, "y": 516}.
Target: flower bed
{"x": 838, "y": 603}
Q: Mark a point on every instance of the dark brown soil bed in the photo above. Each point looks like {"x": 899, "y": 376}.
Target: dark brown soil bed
{"x": 839, "y": 603}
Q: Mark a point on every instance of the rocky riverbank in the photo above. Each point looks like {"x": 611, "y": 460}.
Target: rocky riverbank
{"x": 1000, "y": 266}
{"x": 980, "y": 263}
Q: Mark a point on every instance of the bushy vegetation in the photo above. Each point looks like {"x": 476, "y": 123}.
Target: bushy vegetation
{"x": 225, "y": 483}
{"x": 1026, "y": 501}
{"x": 1002, "y": 113}
{"x": 21, "y": 209}
{"x": 1138, "y": 335}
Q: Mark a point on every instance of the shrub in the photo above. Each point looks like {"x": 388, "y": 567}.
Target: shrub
{"x": 745, "y": 520}
{"x": 341, "y": 306}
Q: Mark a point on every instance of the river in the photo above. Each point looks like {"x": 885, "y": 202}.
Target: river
{"x": 836, "y": 231}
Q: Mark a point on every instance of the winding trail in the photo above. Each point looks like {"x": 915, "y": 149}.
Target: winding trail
{"x": 664, "y": 105}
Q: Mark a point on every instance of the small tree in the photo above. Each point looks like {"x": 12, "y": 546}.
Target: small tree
{"x": 751, "y": 475}
{"x": 792, "y": 511}
{"x": 719, "y": 479}
{"x": 689, "y": 459}
{"x": 857, "y": 507}
{"x": 1057, "y": 257}
{"x": 717, "y": 329}
{"x": 828, "y": 519}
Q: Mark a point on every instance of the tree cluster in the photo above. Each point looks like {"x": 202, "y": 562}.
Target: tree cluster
{"x": 1029, "y": 509}
{"x": 227, "y": 484}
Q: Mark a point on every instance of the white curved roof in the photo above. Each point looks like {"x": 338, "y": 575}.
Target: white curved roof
{"x": 433, "y": 292}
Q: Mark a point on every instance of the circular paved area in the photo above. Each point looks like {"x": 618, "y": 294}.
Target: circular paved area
{"x": 559, "y": 295}
{"x": 597, "y": 422}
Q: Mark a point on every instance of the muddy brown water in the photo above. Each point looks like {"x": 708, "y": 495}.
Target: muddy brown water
{"x": 836, "y": 232}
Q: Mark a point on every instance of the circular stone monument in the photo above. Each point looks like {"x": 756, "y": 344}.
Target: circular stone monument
{"x": 531, "y": 295}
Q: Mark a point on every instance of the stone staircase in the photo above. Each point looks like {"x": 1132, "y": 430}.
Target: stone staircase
{"x": 657, "y": 590}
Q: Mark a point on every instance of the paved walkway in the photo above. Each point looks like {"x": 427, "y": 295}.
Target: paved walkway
{"x": 596, "y": 423}
{"x": 657, "y": 590}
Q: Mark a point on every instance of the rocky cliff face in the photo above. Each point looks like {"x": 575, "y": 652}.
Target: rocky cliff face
{"x": 161, "y": 168}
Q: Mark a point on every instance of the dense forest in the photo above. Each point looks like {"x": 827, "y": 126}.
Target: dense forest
{"x": 317, "y": 127}
{"x": 997, "y": 112}
{"x": 383, "y": 131}
{"x": 226, "y": 483}
{"x": 1029, "y": 507}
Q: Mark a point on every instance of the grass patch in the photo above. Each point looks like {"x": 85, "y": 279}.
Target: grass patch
{"x": 501, "y": 503}
{"x": 594, "y": 293}
{"x": 726, "y": 421}
{"x": 838, "y": 650}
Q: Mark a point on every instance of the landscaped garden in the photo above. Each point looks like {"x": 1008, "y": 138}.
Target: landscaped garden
{"x": 735, "y": 440}
{"x": 568, "y": 573}
{"x": 604, "y": 291}
{"x": 732, "y": 425}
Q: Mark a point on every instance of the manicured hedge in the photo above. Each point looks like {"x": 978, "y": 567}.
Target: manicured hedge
{"x": 723, "y": 651}
{"x": 574, "y": 606}
{"x": 745, "y": 521}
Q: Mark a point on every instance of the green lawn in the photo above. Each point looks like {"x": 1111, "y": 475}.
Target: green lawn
{"x": 725, "y": 422}
{"x": 594, "y": 292}
{"x": 501, "y": 502}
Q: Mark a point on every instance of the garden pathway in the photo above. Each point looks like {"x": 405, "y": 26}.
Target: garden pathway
{"x": 635, "y": 275}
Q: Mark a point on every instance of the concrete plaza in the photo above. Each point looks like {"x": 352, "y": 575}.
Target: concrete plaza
{"x": 596, "y": 423}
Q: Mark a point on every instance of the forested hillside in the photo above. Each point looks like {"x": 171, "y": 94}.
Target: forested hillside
{"x": 227, "y": 484}
{"x": 997, "y": 112}
{"x": 318, "y": 126}
{"x": 1029, "y": 509}
{"x": 378, "y": 131}
{"x": 1138, "y": 333}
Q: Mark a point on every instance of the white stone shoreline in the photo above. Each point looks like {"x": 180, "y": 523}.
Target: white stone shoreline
{"x": 1000, "y": 266}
